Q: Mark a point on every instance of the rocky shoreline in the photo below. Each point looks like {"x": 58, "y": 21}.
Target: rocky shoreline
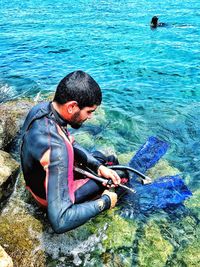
{"x": 26, "y": 238}
{"x": 11, "y": 119}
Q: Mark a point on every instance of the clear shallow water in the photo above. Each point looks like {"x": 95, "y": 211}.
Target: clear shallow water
{"x": 150, "y": 78}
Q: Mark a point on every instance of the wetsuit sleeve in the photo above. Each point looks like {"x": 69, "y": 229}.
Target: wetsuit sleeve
{"x": 63, "y": 213}
{"x": 83, "y": 156}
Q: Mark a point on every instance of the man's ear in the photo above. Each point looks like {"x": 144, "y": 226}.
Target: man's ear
{"x": 72, "y": 106}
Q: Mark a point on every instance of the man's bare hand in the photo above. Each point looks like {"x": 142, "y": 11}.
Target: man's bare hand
{"x": 112, "y": 196}
{"x": 109, "y": 174}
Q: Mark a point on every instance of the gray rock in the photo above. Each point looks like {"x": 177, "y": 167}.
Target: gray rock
{"x": 8, "y": 172}
{"x": 5, "y": 259}
{"x": 12, "y": 115}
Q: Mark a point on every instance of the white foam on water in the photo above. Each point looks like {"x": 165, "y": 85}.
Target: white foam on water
{"x": 64, "y": 245}
{"x": 38, "y": 97}
{"x": 7, "y": 92}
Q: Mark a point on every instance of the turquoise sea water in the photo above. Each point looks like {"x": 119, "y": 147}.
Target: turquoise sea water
{"x": 150, "y": 78}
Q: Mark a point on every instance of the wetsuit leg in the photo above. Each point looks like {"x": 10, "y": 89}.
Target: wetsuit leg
{"x": 88, "y": 191}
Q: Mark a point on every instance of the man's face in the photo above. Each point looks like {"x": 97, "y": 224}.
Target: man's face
{"x": 78, "y": 117}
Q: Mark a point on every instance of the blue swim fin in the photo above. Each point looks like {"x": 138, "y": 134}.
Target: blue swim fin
{"x": 162, "y": 192}
{"x": 149, "y": 154}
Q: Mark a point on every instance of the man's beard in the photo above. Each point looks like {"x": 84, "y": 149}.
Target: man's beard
{"x": 75, "y": 123}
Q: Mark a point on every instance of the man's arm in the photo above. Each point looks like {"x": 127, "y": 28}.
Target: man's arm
{"x": 83, "y": 156}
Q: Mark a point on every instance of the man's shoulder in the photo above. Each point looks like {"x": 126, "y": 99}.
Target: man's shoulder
{"x": 40, "y": 132}
{"x": 37, "y": 112}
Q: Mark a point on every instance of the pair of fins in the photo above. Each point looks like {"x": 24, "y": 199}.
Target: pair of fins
{"x": 162, "y": 192}
{"x": 151, "y": 194}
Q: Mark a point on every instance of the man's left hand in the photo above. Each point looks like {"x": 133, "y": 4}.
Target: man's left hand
{"x": 109, "y": 174}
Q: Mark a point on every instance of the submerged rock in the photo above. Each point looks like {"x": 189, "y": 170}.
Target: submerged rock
{"x": 194, "y": 203}
{"x": 120, "y": 232}
{"x": 162, "y": 168}
{"x": 5, "y": 259}
{"x": 124, "y": 158}
{"x": 8, "y": 172}
{"x": 12, "y": 116}
{"x": 189, "y": 255}
{"x": 154, "y": 250}
{"x": 85, "y": 139}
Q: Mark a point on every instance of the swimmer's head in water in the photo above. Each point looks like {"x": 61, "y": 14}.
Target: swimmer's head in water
{"x": 154, "y": 21}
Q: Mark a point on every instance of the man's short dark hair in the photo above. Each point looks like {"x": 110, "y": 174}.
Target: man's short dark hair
{"x": 80, "y": 87}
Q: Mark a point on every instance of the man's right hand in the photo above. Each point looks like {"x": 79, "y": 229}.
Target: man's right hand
{"x": 112, "y": 196}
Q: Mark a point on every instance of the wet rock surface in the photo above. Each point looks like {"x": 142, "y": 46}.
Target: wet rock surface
{"x": 5, "y": 259}
{"x": 12, "y": 115}
{"x": 9, "y": 169}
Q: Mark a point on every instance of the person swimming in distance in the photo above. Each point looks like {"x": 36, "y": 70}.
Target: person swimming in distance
{"x": 154, "y": 23}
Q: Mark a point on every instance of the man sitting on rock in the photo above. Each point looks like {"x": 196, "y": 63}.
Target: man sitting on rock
{"x": 49, "y": 153}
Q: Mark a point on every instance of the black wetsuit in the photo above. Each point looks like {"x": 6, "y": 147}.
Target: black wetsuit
{"x": 47, "y": 156}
